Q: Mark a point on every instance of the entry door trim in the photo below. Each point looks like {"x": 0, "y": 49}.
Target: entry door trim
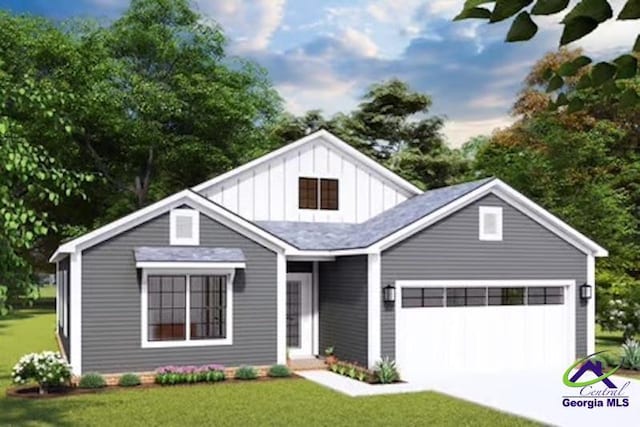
{"x": 306, "y": 315}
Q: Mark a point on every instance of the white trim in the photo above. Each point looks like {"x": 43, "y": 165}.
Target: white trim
{"x": 316, "y": 307}
{"x": 483, "y": 211}
{"x": 194, "y": 265}
{"x": 311, "y": 258}
{"x": 204, "y": 205}
{"x": 591, "y": 305}
{"x": 58, "y": 296}
{"x": 75, "y": 315}
{"x": 144, "y": 302}
{"x": 511, "y": 196}
{"x": 339, "y": 144}
{"x": 374, "y": 301}
{"x": 281, "y": 310}
{"x": 194, "y": 216}
{"x": 479, "y": 283}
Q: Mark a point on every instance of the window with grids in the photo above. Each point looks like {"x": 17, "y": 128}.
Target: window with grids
{"x": 318, "y": 193}
{"x": 329, "y": 194}
{"x": 208, "y": 301}
{"x": 169, "y": 310}
{"x": 545, "y": 295}
{"x": 422, "y": 297}
{"x": 481, "y": 296}
{"x": 166, "y": 308}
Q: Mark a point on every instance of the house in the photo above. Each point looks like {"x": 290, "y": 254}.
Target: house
{"x": 317, "y": 245}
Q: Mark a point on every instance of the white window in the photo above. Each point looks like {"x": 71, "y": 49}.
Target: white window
{"x": 490, "y": 222}
{"x": 187, "y": 309}
{"x": 185, "y": 227}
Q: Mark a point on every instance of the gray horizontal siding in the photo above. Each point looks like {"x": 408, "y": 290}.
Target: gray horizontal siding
{"x": 111, "y": 334}
{"x": 451, "y": 250}
{"x": 343, "y": 307}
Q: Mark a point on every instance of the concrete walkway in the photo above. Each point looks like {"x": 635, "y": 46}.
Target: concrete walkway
{"x": 538, "y": 396}
{"x": 354, "y": 388}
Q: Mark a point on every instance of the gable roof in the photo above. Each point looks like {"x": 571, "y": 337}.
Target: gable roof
{"x": 185, "y": 197}
{"x": 415, "y": 214}
{"x": 330, "y": 139}
{"x": 338, "y": 236}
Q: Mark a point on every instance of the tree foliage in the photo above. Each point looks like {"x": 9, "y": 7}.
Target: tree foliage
{"x": 607, "y": 77}
{"x": 393, "y": 126}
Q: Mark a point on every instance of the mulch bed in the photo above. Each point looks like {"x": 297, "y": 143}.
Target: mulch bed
{"x": 32, "y": 391}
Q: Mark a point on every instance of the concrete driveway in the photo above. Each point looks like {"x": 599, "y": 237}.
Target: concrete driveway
{"x": 538, "y": 396}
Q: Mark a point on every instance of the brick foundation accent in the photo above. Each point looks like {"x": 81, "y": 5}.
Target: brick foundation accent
{"x": 149, "y": 377}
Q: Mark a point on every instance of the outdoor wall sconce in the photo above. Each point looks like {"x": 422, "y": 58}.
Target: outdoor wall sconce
{"x": 586, "y": 291}
{"x": 389, "y": 293}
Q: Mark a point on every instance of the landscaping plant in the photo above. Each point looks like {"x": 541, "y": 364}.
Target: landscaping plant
{"x": 92, "y": 381}
{"x": 48, "y": 369}
{"x": 246, "y": 373}
{"x": 631, "y": 354}
{"x": 386, "y": 371}
{"x": 329, "y": 356}
{"x": 170, "y": 375}
{"x": 129, "y": 380}
{"x": 279, "y": 371}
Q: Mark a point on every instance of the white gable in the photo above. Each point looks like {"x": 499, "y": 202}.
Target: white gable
{"x": 266, "y": 189}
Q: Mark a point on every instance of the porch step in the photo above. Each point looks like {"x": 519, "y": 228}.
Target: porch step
{"x": 306, "y": 364}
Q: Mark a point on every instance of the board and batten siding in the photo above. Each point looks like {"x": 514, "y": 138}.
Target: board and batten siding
{"x": 343, "y": 307}
{"x": 111, "y": 336}
{"x": 451, "y": 250}
{"x": 63, "y": 274}
{"x": 269, "y": 192}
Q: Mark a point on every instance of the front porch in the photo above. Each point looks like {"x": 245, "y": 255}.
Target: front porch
{"x": 326, "y": 306}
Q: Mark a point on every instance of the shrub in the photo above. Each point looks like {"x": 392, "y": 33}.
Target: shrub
{"x": 352, "y": 372}
{"x": 129, "y": 380}
{"x": 328, "y": 351}
{"x": 362, "y": 376}
{"x": 342, "y": 369}
{"x": 631, "y": 354}
{"x": 92, "y": 380}
{"x": 386, "y": 371}
{"x": 334, "y": 368}
{"x": 48, "y": 369}
{"x": 279, "y": 371}
{"x": 170, "y": 375}
{"x": 246, "y": 373}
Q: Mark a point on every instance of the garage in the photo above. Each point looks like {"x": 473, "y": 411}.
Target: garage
{"x": 484, "y": 326}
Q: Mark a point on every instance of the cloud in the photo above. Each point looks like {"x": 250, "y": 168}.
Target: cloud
{"x": 458, "y": 132}
{"x": 250, "y": 23}
{"x": 358, "y": 42}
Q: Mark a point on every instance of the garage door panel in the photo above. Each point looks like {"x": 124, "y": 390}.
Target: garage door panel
{"x": 483, "y": 339}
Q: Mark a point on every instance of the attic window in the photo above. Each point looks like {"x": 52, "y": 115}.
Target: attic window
{"x": 185, "y": 227}
{"x": 318, "y": 193}
{"x": 490, "y": 223}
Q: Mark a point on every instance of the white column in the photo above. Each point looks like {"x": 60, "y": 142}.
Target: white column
{"x": 315, "y": 285}
{"x": 75, "y": 299}
{"x": 591, "y": 305}
{"x": 281, "y": 309}
{"x": 374, "y": 303}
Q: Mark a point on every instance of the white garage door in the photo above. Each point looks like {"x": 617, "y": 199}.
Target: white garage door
{"x": 480, "y": 327}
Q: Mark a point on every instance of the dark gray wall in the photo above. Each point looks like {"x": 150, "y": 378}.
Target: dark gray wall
{"x": 343, "y": 307}
{"x": 451, "y": 250}
{"x": 299, "y": 267}
{"x": 111, "y": 304}
{"x": 63, "y": 267}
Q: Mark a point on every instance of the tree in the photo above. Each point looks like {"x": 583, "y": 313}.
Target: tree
{"x": 391, "y": 125}
{"x": 30, "y": 180}
{"x": 152, "y": 104}
{"x": 582, "y": 19}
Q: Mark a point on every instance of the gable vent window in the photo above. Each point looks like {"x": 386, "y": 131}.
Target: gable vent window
{"x": 318, "y": 193}
{"x": 490, "y": 223}
{"x": 185, "y": 227}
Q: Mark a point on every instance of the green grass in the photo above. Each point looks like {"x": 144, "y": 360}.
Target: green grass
{"x": 283, "y": 402}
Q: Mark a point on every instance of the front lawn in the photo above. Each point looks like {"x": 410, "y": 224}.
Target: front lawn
{"x": 294, "y": 402}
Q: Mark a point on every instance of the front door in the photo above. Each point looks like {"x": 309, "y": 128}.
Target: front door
{"x": 299, "y": 316}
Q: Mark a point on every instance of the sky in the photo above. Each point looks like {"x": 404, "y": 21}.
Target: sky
{"x": 324, "y": 54}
